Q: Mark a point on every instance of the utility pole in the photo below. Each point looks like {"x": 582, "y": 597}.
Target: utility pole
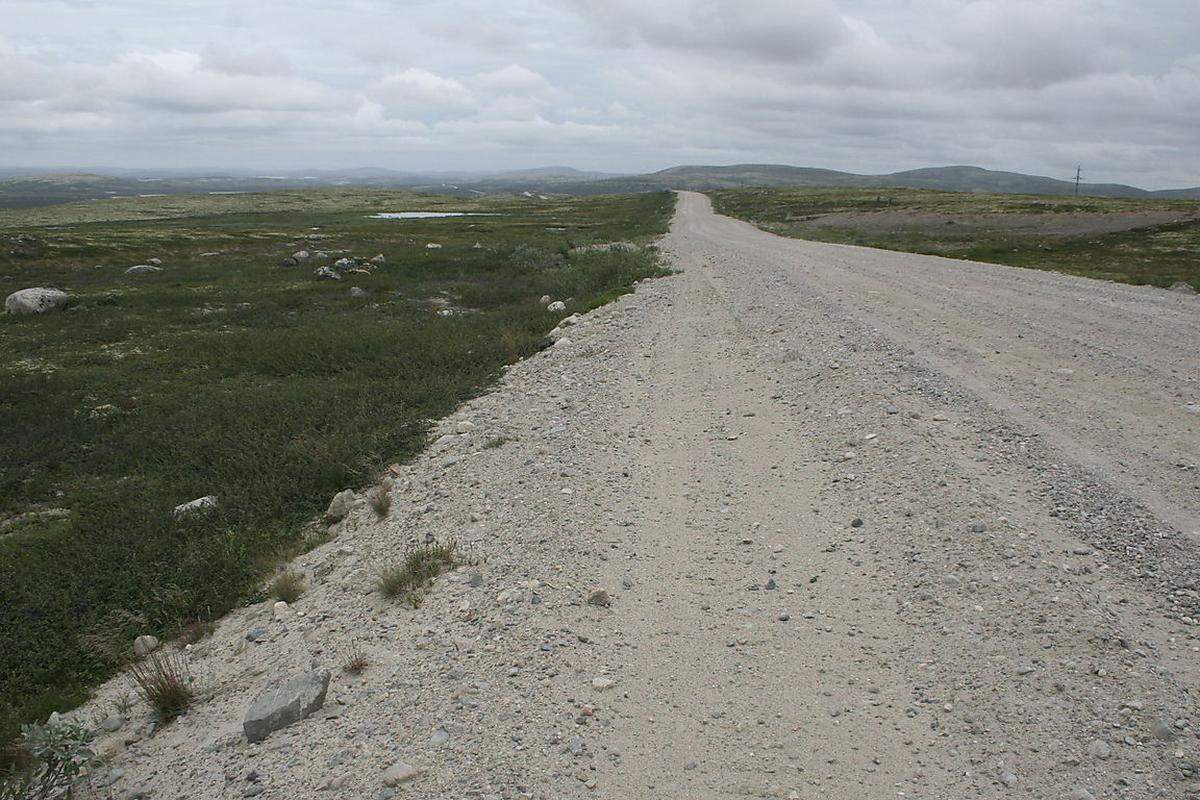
{"x": 1078, "y": 174}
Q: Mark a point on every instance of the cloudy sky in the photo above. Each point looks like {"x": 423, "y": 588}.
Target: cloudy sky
{"x": 620, "y": 85}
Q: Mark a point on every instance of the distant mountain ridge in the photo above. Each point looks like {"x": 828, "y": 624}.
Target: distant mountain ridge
{"x": 953, "y": 178}
{"x": 29, "y": 188}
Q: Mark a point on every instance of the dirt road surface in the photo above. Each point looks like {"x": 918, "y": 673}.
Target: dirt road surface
{"x": 872, "y": 525}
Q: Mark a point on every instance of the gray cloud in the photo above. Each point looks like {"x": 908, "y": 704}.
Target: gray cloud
{"x": 612, "y": 84}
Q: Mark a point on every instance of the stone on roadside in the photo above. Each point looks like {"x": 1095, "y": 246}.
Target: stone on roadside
{"x": 399, "y": 773}
{"x": 599, "y": 597}
{"x": 1099, "y": 749}
{"x": 285, "y": 704}
{"x": 340, "y": 505}
{"x": 144, "y": 645}
{"x": 1163, "y": 731}
{"x": 603, "y": 684}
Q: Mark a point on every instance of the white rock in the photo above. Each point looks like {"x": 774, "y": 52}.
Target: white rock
{"x": 603, "y": 684}
{"x": 302, "y": 255}
{"x": 433, "y": 246}
{"x": 143, "y": 269}
{"x": 557, "y": 305}
{"x": 545, "y": 299}
{"x": 379, "y": 260}
{"x": 328, "y": 273}
{"x": 35, "y": 301}
{"x": 282, "y": 611}
{"x": 195, "y": 506}
{"x": 464, "y": 426}
{"x": 144, "y": 645}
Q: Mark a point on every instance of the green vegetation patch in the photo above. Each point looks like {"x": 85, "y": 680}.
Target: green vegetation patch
{"x": 232, "y": 374}
{"x": 1137, "y": 241}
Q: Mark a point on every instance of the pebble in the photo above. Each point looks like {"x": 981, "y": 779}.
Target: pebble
{"x": 399, "y": 773}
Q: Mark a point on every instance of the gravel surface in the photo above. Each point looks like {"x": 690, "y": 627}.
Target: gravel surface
{"x": 867, "y": 525}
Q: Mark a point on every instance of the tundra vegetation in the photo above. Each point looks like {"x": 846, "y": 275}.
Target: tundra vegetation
{"x": 235, "y": 373}
{"x": 1129, "y": 240}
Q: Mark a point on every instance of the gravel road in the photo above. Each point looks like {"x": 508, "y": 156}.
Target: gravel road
{"x": 872, "y": 524}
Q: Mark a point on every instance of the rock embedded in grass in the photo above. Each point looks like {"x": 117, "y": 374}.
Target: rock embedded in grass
{"x": 285, "y": 704}
{"x": 557, "y": 305}
{"x": 196, "y": 506}
{"x": 143, "y": 269}
{"x": 37, "y": 300}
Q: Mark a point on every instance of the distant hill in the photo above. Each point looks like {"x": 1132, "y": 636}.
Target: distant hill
{"x": 22, "y": 190}
{"x": 954, "y": 179}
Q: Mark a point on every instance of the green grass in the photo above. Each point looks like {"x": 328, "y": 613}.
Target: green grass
{"x": 980, "y": 227}
{"x": 233, "y": 376}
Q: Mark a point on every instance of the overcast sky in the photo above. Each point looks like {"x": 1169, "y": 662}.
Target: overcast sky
{"x": 621, "y": 85}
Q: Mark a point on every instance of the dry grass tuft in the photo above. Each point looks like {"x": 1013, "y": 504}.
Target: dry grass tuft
{"x": 407, "y": 579}
{"x": 287, "y": 586}
{"x": 195, "y": 631}
{"x": 354, "y": 659}
{"x": 380, "y": 499}
{"x": 163, "y": 682}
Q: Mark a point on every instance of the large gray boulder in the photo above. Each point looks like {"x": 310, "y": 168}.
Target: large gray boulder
{"x": 35, "y": 301}
{"x": 341, "y": 505}
{"x": 285, "y": 704}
